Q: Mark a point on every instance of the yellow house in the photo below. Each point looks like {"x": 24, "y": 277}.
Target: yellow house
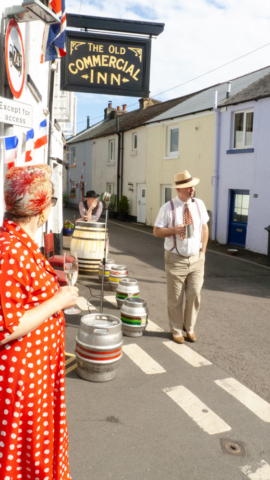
{"x": 185, "y": 143}
{"x": 178, "y": 140}
{"x": 187, "y": 137}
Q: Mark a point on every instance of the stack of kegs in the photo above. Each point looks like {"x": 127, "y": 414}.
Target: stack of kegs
{"x": 128, "y": 287}
{"x": 117, "y": 273}
{"x": 108, "y": 265}
{"x": 98, "y": 347}
{"x": 134, "y": 317}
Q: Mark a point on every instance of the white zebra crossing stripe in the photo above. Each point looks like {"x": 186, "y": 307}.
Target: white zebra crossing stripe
{"x": 251, "y": 400}
{"x": 111, "y": 299}
{"x": 147, "y": 364}
{"x": 193, "y": 358}
{"x": 152, "y": 327}
{"x": 262, "y": 473}
{"x": 205, "y": 418}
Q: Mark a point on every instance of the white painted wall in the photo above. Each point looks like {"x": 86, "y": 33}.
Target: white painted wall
{"x": 246, "y": 171}
{"x": 32, "y": 33}
{"x": 74, "y": 173}
{"x": 134, "y": 170}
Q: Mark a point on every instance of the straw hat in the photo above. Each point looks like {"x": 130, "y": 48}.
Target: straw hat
{"x": 184, "y": 180}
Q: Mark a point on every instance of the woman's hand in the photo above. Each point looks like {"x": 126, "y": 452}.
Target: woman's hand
{"x": 66, "y": 297}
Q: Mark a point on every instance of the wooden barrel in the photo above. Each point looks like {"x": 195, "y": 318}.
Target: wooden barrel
{"x": 88, "y": 241}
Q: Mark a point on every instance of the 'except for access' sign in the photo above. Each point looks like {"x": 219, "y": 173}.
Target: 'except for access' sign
{"x": 15, "y": 113}
{"x": 106, "y": 64}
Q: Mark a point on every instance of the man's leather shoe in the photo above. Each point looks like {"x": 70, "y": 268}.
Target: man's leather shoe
{"x": 178, "y": 339}
{"x": 191, "y": 337}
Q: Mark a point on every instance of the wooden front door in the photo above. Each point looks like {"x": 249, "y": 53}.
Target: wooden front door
{"x": 82, "y": 189}
{"x": 238, "y": 217}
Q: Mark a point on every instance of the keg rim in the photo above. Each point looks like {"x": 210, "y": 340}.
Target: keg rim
{"x": 113, "y": 321}
{"x": 131, "y": 281}
{"x": 119, "y": 267}
{"x": 134, "y": 302}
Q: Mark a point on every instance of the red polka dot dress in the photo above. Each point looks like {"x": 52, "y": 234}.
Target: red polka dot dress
{"x": 33, "y": 425}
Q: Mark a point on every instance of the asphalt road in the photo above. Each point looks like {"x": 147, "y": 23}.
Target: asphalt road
{"x": 171, "y": 424}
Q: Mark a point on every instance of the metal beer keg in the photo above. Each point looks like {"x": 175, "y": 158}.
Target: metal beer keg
{"x": 98, "y": 347}
{"x": 134, "y": 316}
{"x": 108, "y": 265}
{"x": 128, "y": 287}
{"x": 117, "y": 273}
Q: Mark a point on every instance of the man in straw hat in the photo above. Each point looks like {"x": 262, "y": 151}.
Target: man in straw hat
{"x": 183, "y": 224}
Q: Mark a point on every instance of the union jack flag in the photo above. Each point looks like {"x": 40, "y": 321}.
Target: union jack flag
{"x": 54, "y": 38}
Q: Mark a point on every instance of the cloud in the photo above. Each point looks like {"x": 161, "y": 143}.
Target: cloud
{"x": 199, "y": 35}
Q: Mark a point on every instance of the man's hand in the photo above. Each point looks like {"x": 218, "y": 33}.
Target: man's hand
{"x": 180, "y": 230}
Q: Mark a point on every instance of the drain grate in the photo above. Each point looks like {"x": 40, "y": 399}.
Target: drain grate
{"x": 232, "y": 447}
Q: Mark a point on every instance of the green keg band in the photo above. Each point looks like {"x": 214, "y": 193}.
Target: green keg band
{"x": 129, "y": 321}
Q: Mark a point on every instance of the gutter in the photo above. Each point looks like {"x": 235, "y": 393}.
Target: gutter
{"x": 215, "y": 177}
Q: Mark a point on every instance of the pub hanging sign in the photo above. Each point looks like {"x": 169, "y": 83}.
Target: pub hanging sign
{"x": 106, "y": 64}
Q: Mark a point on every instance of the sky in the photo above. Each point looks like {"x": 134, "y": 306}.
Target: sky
{"x": 199, "y": 36}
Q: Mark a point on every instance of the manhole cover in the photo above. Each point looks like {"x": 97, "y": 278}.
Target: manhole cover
{"x": 232, "y": 447}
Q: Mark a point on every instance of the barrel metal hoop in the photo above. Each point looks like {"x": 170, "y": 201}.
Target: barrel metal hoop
{"x": 91, "y": 239}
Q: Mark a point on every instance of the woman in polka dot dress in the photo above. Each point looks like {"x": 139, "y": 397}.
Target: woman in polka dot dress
{"x": 33, "y": 426}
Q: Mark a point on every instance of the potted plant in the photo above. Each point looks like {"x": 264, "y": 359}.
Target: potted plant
{"x": 112, "y": 205}
{"x": 73, "y": 193}
{"x": 68, "y": 228}
{"x": 123, "y": 208}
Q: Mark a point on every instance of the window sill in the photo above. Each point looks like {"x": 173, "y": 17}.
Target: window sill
{"x": 240, "y": 150}
{"x": 110, "y": 164}
{"x": 133, "y": 153}
{"x": 171, "y": 156}
{"x": 73, "y": 166}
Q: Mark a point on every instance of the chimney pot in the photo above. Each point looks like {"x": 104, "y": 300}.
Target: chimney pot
{"x": 124, "y": 107}
{"x": 118, "y": 108}
{"x": 228, "y": 89}
{"x": 110, "y": 104}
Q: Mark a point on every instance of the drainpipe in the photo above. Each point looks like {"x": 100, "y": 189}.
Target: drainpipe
{"x": 122, "y": 163}
{"x": 215, "y": 177}
{"x": 118, "y": 159}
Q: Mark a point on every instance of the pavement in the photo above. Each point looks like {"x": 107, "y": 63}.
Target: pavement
{"x": 190, "y": 412}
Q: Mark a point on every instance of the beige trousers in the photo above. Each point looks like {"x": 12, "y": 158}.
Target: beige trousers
{"x": 184, "y": 283}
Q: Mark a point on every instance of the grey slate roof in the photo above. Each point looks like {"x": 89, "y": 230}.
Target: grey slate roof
{"x": 204, "y": 100}
{"x": 127, "y": 121}
{"x": 258, "y": 89}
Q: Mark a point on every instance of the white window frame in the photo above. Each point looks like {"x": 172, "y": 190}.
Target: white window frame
{"x": 72, "y": 155}
{"x": 134, "y": 135}
{"x": 244, "y": 128}
{"x": 109, "y": 187}
{"x": 163, "y": 188}
{"x": 169, "y": 129}
{"x": 73, "y": 186}
{"x": 110, "y": 159}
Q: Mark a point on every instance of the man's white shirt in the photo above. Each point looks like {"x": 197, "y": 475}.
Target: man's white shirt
{"x": 188, "y": 246}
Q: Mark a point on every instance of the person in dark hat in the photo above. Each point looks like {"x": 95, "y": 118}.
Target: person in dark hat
{"x": 90, "y": 208}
